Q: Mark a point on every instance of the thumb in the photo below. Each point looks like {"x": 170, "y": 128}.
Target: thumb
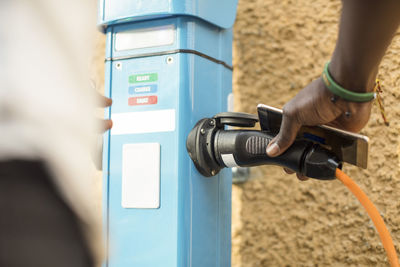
{"x": 285, "y": 138}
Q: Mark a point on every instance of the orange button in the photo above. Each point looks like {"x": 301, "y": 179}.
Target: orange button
{"x": 143, "y": 100}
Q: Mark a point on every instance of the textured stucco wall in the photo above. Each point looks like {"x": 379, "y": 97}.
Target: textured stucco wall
{"x": 279, "y": 47}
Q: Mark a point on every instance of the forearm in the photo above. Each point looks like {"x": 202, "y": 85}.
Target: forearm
{"x": 367, "y": 28}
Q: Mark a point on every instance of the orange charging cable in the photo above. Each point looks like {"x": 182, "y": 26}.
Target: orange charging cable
{"x": 373, "y": 214}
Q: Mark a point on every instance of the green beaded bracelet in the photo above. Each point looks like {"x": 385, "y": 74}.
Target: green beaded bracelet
{"x": 345, "y": 94}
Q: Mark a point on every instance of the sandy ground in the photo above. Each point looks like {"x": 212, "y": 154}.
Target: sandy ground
{"x": 279, "y": 47}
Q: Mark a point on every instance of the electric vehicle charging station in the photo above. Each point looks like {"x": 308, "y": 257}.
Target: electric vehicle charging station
{"x": 168, "y": 64}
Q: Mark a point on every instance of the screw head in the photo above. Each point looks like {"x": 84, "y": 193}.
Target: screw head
{"x": 213, "y": 173}
{"x": 212, "y": 122}
{"x": 170, "y": 60}
{"x": 118, "y": 66}
{"x": 202, "y": 131}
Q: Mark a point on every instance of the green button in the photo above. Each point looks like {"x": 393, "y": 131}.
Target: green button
{"x": 143, "y": 78}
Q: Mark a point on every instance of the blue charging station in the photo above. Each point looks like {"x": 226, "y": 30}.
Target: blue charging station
{"x": 168, "y": 64}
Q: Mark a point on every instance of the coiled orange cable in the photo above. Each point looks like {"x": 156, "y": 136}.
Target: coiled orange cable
{"x": 373, "y": 213}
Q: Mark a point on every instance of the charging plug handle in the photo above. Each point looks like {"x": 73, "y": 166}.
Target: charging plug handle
{"x": 212, "y": 148}
{"x": 248, "y": 148}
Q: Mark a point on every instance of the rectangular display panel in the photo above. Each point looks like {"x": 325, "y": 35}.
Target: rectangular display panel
{"x": 144, "y": 38}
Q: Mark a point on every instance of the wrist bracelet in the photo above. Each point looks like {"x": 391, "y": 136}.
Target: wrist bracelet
{"x": 345, "y": 94}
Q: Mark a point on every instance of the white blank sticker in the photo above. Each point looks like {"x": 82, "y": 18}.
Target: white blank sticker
{"x": 141, "y": 176}
{"x": 143, "y": 122}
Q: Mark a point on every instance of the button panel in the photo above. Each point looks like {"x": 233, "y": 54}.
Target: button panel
{"x": 143, "y": 84}
{"x": 143, "y": 78}
{"x": 143, "y": 89}
{"x": 143, "y": 100}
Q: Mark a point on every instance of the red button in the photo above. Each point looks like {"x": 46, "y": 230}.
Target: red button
{"x": 142, "y": 100}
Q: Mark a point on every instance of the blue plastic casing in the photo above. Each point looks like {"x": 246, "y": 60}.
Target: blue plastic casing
{"x": 192, "y": 225}
{"x": 221, "y": 13}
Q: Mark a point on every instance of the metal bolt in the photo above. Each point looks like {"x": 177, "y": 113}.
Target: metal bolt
{"x": 212, "y": 122}
{"x": 118, "y": 66}
{"x": 202, "y": 131}
{"x": 170, "y": 60}
{"x": 333, "y": 99}
{"x": 213, "y": 173}
{"x": 347, "y": 114}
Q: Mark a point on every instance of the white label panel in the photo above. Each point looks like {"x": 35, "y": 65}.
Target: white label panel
{"x": 229, "y": 160}
{"x": 143, "y": 122}
{"x": 141, "y": 176}
{"x": 143, "y": 38}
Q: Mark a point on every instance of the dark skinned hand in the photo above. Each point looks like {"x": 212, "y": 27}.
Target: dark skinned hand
{"x": 313, "y": 106}
{"x": 360, "y": 47}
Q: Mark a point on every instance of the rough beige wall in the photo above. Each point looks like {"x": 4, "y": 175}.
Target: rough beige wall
{"x": 279, "y": 47}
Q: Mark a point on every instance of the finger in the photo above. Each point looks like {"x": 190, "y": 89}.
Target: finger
{"x": 301, "y": 177}
{"x": 285, "y": 137}
{"x": 105, "y": 125}
{"x": 288, "y": 171}
{"x": 104, "y": 101}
